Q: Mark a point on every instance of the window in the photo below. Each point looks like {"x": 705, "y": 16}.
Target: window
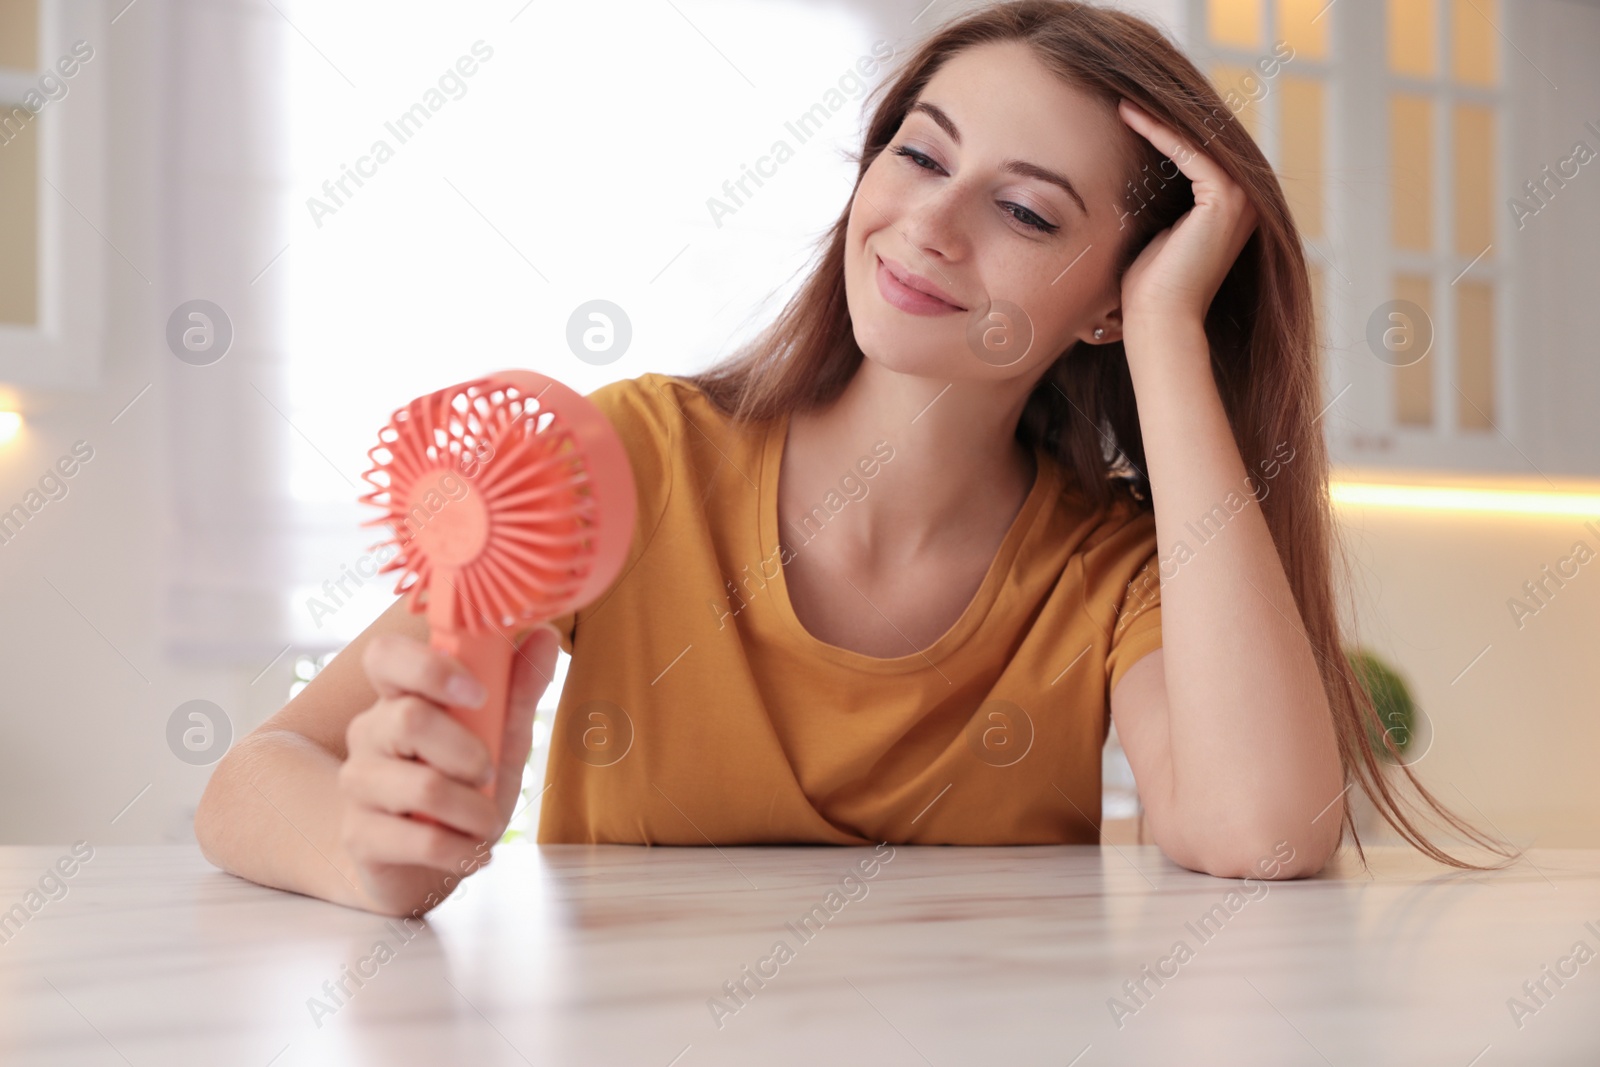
{"x": 1443, "y": 103}
{"x": 52, "y": 174}
{"x": 1383, "y": 120}
{"x": 1269, "y": 60}
{"x": 19, "y": 164}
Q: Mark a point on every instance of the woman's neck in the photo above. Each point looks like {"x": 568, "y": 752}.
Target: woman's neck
{"x": 957, "y": 474}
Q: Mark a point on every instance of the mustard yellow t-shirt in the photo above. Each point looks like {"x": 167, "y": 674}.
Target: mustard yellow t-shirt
{"x": 697, "y": 709}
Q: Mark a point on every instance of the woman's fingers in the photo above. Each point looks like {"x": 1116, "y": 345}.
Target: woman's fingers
{"x": 412, "y": 728}
{"x": 397, "y": 665}
{"x": 403, "y": 787}
{"x": 374, "y": 837}
{"x": 1212, "y": 185}
{"x": 1194, "y": 164}
{"x": 1222, "y": 212}
{"x": 409, "y": 784}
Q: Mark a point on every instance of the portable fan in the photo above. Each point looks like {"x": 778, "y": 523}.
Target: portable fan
{"x": 511, "y": 502}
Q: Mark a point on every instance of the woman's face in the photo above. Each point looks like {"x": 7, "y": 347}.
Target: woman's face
{"x": 965, "y": 200}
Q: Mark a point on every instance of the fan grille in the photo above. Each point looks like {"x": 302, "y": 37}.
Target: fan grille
{"x": 490, "y": 505}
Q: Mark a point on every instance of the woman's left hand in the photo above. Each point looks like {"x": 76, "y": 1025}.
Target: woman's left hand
{"x": 1182, "y": 267}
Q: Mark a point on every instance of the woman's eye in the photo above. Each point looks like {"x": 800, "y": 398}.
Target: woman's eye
{"x": 1016, "y": 211}
{"x": 917, "y": 158}
{"x": 1028, "y": 218}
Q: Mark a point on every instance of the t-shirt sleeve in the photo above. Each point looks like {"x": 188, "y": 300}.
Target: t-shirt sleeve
{"x": 1137, "y": 629}
{"x": 640, "y": 410}
{"x": 1122, "y": 587}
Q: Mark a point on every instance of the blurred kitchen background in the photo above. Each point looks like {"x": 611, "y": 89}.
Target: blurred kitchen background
{"x": 235, "y": 235}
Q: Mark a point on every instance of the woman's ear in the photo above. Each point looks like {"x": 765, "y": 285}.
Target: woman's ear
{"x": 1105, "y": 329}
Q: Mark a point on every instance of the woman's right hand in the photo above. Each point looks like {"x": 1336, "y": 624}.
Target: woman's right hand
{"x": 407, "y": 754}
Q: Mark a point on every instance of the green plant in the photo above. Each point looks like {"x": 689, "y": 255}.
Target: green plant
{"x": 1397, "y": 711}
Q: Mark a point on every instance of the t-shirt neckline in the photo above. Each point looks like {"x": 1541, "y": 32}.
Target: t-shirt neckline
{"x": 1046, "y": 485}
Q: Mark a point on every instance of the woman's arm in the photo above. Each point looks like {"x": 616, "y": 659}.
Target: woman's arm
{"x": 1227, "y": 728}
{"x": 316, "y": 799}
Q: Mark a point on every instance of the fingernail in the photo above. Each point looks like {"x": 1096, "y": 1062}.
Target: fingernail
{"x": 465, "y": 690}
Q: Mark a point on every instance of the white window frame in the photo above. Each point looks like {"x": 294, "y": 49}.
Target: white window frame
{"x": 1444, "y": 265}
{"x": 1319, "y": 249}
{"x": 1361, "y": 425}
{"x": 64, "y": 347}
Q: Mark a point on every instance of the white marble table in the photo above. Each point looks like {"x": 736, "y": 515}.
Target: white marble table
{"x": 613, "y": 955}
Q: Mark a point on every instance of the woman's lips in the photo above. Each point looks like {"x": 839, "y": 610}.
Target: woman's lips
{"x": 912, "y": 301}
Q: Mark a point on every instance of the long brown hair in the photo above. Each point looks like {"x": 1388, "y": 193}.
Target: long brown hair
{"x": 1261, "y": 327}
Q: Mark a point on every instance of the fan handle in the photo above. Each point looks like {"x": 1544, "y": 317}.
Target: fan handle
{"x": 489, "y": 657}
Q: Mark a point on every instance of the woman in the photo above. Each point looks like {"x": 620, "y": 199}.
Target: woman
{"x": 1045, "y": 413}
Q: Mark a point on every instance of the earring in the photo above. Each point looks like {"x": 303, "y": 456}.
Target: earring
{"x": 1099, "y": 334}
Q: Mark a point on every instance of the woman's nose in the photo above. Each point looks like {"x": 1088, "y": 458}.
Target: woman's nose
{"x": 938, "y": 222}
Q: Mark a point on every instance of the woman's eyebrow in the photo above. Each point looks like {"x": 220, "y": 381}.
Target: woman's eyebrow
{"x": 1010, "y": 166}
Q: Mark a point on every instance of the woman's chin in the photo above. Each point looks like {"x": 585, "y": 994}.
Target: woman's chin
{"x": 903, "y": 359}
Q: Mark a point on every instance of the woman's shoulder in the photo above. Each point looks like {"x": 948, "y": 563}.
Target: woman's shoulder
{"x": 1107, "y": 553}
{"x": 656, "y": 398}
{"x": 659, "y": 406}
{"x": 672, "y": 415}
{"x": 1120, "y": 521}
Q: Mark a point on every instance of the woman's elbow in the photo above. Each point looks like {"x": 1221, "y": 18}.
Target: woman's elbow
{"x": 212, "y": 820}
{"x": 1268, "y": 852}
